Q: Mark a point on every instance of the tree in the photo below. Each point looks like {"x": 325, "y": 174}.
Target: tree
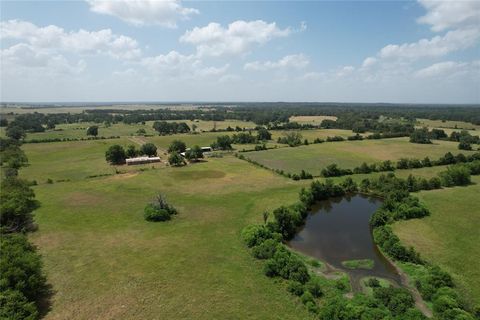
{"x": 17, "y": 202}
{"x": 464, "y": 145}
{"x": 92, "y": 131}
{"x": 420, "y": 136}
{"x": 16, "y": 133}
{"x": 194, "y": 127}
{"x": 176, "y": 160}
{"x": 194, "y": 153}
{"x": 149, "y": 149}
{"x": 131, "y": 152}
{"x": 3, "y": 122}
{"x": 222, "y": 143}
{"x": 263, "y": 134}
{"x": 177, "y": 146}
{"x": 141, "y": 132}
{"x": 115, "y": 154}
{"x": 292, "y": 138}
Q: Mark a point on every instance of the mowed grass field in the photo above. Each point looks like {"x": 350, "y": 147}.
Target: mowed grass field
{"x": 348, "y": 154}
{"x": 314, "y": 120}
{"x": 310, "y": 135}
{"x": 450, "y": 237}
{"x": 105, "y": 261}
{"x": 447, "y": 124}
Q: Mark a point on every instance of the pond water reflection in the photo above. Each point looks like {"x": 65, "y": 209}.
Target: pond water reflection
{"x": 338, "y": 230}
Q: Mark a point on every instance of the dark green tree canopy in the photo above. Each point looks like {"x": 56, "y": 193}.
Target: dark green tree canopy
{"x": 92, "y": 131}
{"x": 115, "y": 154}
{"x": 177, "y": 146}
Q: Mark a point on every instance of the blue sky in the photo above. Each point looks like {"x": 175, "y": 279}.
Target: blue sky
{"x": 382, "y": 51}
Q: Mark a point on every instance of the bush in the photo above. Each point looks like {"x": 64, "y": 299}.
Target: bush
{"x": 254, "y": 235}
{"x": 307, "y": 297}
{"x": 314, "y": 287}
{"x": 286, "y": 265}
{"x": 177, "y": 146}
{"x": 14, "y": 306}
{"x": 458, "y": 175}
{"x": 333, "y": 170}
{"x": 20, "y": 267}
{"x": 148, "y": 149}
{"x": 153, "y": 214}
{"x": 176, "y": 160}
{"x": 17, "y": 202}
{"x": 266, "y": 249}
{"x": 372, "y": 283}
{"x": 295, "y": 288}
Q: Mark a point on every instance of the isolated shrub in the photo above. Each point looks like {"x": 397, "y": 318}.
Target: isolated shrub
{"x": 151, "y": 213}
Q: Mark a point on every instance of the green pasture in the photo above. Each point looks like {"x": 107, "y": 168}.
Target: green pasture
{"x": 447, "y": 124}
{"x": 310, "y": 135}
{"x": 104, "y": 261}
{"x": 450, "y": 237}
{"x": 314, "y": 120}
{"x": 348, "y": 154}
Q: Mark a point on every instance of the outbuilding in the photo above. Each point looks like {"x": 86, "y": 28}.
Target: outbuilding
{"x": 142, "y": 160}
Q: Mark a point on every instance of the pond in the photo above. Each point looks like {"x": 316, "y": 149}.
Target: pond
{"x": 338, "y": 230}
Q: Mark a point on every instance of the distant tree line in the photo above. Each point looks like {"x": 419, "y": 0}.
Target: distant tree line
{"x": 333, "y": 170}
{"x": 357, "y": 117}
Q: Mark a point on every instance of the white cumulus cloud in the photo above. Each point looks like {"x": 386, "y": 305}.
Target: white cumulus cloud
{"x": 164, "y": 13}
{"x": 56, "y": 39}
{"x": 293, "y": 61}
{"x": 442, "y": 15}
{"x": 440, "y": 69}
{"x": 237, "y": 38}
{"x": 435, "y": 47}
{"x": 177, "y": 65}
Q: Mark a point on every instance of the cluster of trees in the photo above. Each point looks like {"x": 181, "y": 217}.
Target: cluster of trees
{"x": 420, "y": 136}
{"x": 159, "y": 210}
{"x": 247, "y": 138}
{"x": 292, "y": 138}
{"x": 117, "y": 155}
{"x": 164, "y": 127}
{"x": 222, "y": 143}
{"x": 464, "y": 138}
{"x": 176, "y": 147}
{"x": 22, "y": 282}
